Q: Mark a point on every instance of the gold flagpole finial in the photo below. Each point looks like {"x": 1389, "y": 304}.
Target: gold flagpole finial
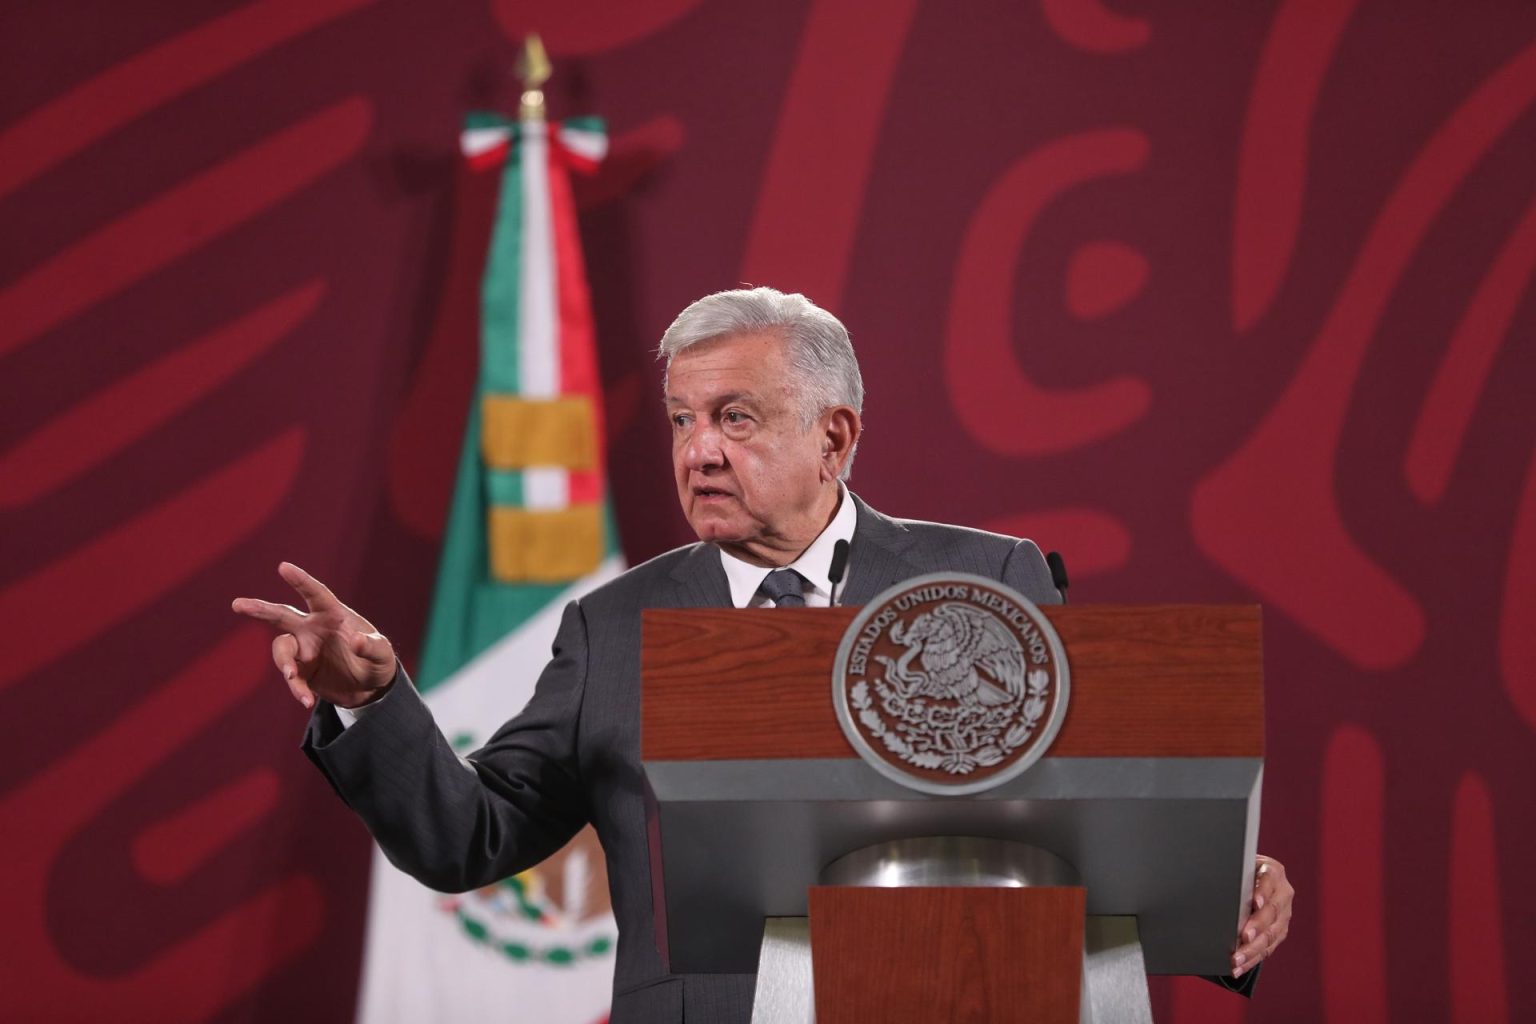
{"x": 534, "y": 69}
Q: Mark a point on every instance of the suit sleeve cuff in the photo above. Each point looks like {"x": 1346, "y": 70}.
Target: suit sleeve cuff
{"x": 350, "y": 716}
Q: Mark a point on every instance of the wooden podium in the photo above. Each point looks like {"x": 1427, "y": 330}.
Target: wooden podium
{"x": 1150, "y": 793}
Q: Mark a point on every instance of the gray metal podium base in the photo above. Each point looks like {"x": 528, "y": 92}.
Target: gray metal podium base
{"x": 1114, "y": 974}
{"x": 785, "y": 989}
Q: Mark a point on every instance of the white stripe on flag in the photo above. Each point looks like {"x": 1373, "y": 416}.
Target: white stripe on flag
{"x": 592, "y": 145}
{"x": 538, "y": 351}
{"x": 475, "y": 141}
{"x": 546, "y": 487}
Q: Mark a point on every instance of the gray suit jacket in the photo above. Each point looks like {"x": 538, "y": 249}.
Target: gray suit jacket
{"x": 573, "y": 756}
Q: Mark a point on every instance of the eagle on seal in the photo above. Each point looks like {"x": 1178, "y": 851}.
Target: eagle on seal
{"x": 965, "y": 655}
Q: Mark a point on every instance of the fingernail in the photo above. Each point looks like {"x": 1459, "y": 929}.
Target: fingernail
{"x": 1239, "y": 959}
{"x": 1258, "y": 901}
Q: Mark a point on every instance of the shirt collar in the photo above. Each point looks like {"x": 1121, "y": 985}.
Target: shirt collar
{"x": 814, "y": 563}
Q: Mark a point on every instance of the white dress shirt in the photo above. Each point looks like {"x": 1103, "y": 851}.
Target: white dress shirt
{"x": 814, "y": 563}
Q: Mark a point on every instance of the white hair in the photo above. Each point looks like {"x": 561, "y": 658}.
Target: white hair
{"x": 819, "y": 350}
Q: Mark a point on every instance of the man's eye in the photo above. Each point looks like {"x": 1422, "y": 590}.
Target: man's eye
{"x": 735, "y": 416}
{"x": 679, "y": 420}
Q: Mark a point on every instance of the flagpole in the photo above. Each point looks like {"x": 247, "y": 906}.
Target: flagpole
{"x": 534, "y": 69}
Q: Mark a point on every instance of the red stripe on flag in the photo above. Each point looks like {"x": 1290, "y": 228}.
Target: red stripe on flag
{"x": 577, "y": 336}
{"x": 489, "y": 158}
{"x": 585, "y": 486}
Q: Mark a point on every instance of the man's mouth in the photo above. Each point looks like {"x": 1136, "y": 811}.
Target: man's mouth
{"x": 710, "y": 493}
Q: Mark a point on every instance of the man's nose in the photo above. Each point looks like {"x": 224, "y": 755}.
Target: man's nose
{"x": 702, "y": 450}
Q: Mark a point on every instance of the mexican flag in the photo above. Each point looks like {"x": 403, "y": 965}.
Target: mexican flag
{"x": 530, "y": 529}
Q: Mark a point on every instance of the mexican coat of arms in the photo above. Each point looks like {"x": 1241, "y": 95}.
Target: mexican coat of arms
{"x": 951, "y": 683}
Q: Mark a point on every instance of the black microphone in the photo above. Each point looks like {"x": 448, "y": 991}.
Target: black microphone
{"x": 835, "y": 573}
{"x": 1058, "y": 573}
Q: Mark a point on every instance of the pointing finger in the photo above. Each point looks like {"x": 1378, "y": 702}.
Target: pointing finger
{"x": 316, "y": 594}
{"x": 283, "y": 616}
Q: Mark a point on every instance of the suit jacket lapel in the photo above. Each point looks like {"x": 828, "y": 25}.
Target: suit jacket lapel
{"x": 701, "y": 580}
{"x": 877, "y": 557}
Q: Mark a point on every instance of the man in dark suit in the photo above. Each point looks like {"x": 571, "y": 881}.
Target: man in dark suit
{"x": 764, "y": 397}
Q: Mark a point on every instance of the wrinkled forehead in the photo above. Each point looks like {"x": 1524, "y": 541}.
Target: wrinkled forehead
{"x": 731, "y": 365}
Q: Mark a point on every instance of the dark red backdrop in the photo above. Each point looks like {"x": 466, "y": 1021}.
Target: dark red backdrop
{"x": 1228, "y": 302}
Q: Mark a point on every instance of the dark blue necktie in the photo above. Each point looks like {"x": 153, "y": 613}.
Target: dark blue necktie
{"x": 785, "y": 588}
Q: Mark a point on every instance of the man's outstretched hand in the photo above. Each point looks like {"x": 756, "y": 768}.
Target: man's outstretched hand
{"x": 329, "y": 652}
{"x": 1269, "y": 917}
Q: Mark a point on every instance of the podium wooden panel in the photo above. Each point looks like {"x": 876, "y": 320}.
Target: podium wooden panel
{"x": 962, "y": 956}
{"x": 1147, "y": 681}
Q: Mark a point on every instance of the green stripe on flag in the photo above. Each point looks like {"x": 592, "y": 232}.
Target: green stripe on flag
{"x": 504, "y": 486}
{"x": 499, "y": 288}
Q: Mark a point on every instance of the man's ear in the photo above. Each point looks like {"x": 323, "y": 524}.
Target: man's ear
{"x": 840, "y": 432}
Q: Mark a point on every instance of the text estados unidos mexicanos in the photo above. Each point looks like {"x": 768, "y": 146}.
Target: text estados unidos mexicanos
{"x": 858, "y": 660}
